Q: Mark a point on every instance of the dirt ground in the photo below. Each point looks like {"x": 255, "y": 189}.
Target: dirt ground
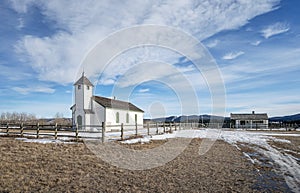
{"x": 34, "y": 167}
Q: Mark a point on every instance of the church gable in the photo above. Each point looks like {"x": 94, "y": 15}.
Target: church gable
{"x": 83, "y": 81}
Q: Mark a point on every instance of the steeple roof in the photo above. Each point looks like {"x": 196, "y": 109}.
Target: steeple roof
{"x": 83, "y": 80}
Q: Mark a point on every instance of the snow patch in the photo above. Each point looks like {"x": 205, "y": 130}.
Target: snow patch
{"x": 43, "y": 141}
{"x": 137, "y": 140}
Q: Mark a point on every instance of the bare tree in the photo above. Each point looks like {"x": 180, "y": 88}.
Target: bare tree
{"x": 59, "y": 119}
{"x": 15, "y": 117}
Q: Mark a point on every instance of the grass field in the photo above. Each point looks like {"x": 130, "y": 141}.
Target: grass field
{"x": 63, "y": 167}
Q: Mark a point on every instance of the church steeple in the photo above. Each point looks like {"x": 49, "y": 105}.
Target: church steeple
{"x": 83, "y": 94}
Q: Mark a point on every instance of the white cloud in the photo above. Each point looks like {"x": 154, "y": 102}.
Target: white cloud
{"x": 256, "y": 43}
{"x": 21, "y": 23}
{"x": 213, "y": 43}
{"x": 83, "y": 23}
{"x": 125, "y": 62}
{"x": 138, "y": 74}
{"x": 27, "y": 90}
{"x": 13, "y": 73}
{"x": 275, "y": 29}
{"x": 269, "y": 62}
{"x": 144, "y": 90}
{"x": 232, "y": 55}
{"x": 21, "y": 6}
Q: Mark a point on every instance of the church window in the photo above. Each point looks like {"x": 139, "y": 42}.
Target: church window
{"x": 127, "y": 118}
{"x": 117, "y": 117}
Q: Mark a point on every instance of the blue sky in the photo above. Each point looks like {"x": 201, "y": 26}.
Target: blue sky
{"x": 256, "y": 45}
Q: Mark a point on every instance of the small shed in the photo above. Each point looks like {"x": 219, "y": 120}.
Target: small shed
{"x": 249, "y": 120}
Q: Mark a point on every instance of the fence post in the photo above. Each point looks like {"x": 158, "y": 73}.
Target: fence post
{"x": 55, "y": 132}
{"x": 122, "y": 131}
{"x": 179, "y": 126}
{"x": 164, "y": 126}
{"x": 175, "y": 127}
{"x": 148, "y": 129}
{"x": 7, "y": 129}
{"x": 37, "y": 130}
{"x": 103, "y": 131}
{"x": 170, "y": 127}
{"x": 22, "y": 129}
{"x": 76, "y": 131}
{"x": 156, "y": 128}
{"x": 136, "y": 129}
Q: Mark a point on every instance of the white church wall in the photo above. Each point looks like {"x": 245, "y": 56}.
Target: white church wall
{"x": 111, "y": 118}
{"x": 99, "y": 114}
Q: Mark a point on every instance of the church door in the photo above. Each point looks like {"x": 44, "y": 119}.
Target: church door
{"x": 79, "y": 121}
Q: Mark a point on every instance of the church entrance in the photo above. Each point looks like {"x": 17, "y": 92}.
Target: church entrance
{"x": 79, "y": 121}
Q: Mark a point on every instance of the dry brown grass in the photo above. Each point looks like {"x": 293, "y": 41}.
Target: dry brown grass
{"x": 32, "y": 167}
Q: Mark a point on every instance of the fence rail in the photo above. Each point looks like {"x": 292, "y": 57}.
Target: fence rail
{"x": 101, "y": 132}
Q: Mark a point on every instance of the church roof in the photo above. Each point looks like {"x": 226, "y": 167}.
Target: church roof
{"x": 84, "y": 80}
{"x": 117, "y": 104}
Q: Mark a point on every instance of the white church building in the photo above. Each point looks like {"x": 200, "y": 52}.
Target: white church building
{"x": 90, "y": 110}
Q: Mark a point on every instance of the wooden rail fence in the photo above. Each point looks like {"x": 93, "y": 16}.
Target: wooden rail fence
{"x": 102, "y": 132}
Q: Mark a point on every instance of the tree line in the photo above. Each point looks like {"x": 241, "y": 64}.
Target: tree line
{"x": 16, "y": 117}
{"x": 29, "y": 118}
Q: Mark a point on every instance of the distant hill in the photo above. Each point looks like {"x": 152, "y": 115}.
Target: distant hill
{"x": 190, "y": 118}
{"x": 207, "y": 118}
{"x": 288, "y": 118}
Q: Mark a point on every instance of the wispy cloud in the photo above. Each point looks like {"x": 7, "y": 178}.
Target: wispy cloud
{"x": 256, "y": 43}
{"x": 12, "y": 73}
{"x": 144, "y": 90}
{"x": 270, "y": 62}
{"x": 212, "y": 44}
{"x": 27, "y": 90}
{"x": 21, "y": 23}
{"x": 80, "y": 25}
{"x": 275, "y": 29}
{"x": 232, "y": 55}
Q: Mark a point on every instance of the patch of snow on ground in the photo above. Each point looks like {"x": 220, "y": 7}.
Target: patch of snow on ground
{"x": 43, "y": 141}
{"x": 137, "y": 140}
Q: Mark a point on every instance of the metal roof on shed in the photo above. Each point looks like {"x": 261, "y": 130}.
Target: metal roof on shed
{"x": 249, "y": 116}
